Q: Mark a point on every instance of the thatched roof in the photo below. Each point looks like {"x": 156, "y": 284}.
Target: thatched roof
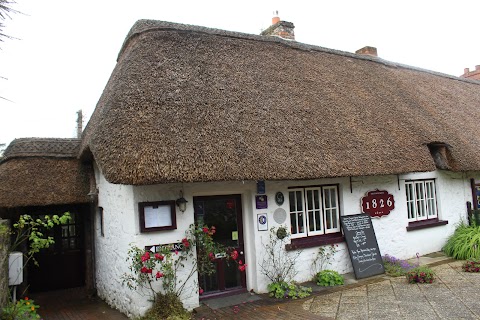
{"x": 189, "y": 103}
{"x": 42, "y": 171}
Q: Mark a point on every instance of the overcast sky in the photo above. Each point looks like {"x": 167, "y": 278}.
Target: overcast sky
{"x": 67, "y": 49}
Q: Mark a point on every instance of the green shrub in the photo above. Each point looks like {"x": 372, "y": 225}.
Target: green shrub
{"x": 286, "y": 290}
{"x": 167, "y": 306}
{"x": 422, "y": 274}
{"x": 464, "y": 243}
{"x": 328, "y": 278}
{"x": 24, "y": 309}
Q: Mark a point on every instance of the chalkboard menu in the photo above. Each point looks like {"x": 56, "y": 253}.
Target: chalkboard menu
{"x": 362, "y": 245}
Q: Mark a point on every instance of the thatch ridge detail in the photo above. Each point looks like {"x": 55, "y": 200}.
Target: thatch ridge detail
{"x": 46, "y": 147}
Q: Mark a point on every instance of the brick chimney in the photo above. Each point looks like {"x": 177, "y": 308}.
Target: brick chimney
{"x": 473, "y": 75}
{"x": 279, "y": 28}
{"x": 367, "y": 51}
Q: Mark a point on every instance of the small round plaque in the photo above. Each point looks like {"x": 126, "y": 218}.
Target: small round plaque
{"x": 280, "y": 216}
{"x": 279, "y": 199}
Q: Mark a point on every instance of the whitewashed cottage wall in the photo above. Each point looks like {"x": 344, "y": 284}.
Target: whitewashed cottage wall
{"x": 120, "y": 205}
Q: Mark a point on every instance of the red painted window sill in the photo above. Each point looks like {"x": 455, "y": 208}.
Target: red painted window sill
{"x": 315, "y": 241}
{"x": 430, "y": 223}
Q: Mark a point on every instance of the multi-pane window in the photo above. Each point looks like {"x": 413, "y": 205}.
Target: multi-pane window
{"x": 421, "y": 200}
{"x": 314, "y": 211}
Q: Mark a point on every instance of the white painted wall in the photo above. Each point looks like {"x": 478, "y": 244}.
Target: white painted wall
{"x": 120, "y": 205}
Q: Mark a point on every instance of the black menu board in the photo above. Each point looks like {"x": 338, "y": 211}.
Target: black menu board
{"x": 362, "y": 245}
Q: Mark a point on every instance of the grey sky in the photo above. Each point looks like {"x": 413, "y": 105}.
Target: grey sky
{"x": 69, "y": 48}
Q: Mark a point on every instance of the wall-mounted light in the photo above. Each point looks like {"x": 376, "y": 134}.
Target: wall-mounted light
{"x": 181, "y": 202}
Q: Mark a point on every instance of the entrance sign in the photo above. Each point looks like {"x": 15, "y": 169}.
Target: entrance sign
{"x": 378, "y": 203}
{"x": 172, "y": 247}
{"x": 362, "y": 245}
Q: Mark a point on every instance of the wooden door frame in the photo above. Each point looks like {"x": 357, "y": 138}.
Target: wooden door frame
{"x": 241, "y": 240}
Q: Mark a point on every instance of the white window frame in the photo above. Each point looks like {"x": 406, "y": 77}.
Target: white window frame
{"x": 421, "y": 199}
{"x": 321, "y": 209}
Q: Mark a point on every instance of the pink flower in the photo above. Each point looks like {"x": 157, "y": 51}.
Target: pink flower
{"x": 159, "y": 275}
{"x": 200, "y": 291}
{"x": 211, "y": 256}
{"x": 176, "y": 252}
{"x": 240, "y": 262}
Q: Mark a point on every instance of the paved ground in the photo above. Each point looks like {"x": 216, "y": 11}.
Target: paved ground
{"x": 73, "y": 304}
{"x": 454, "y": 295}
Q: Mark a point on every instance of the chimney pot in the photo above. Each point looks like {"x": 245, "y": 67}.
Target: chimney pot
{"x": 282, "y": 29}
{"x": 369, "y": 51}
{"x": 466, "y": 71}
{"x": 276, "y": 18}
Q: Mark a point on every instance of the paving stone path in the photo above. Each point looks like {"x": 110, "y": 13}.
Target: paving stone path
{"x": 454, "y": 295}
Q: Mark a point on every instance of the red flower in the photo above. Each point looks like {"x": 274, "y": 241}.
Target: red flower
{"x": 159, "y": 256}
{"x": 205, "y": 229}
{"x": 159, "y": 275}
{"x": 211, "y": 256}
{"x": 146, "y": 256}
{"x": 212, "y": 230}
{"x": 26, "y": 298}
{"x": 176, "y": 252}
{"x": 240, "y": 262}
{"x": 185, "y": 242}
{"x": 143, "y": 270}
{"x": 200, "y": 291}
{"x": 234, "y": 255}
{"x": 149, "y": 270}
{"x": 242, "y": 267}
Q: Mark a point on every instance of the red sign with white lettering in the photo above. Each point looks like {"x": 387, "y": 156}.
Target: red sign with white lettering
{"x": 378, "y": 203}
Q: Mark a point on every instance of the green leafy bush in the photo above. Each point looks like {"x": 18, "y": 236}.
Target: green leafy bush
{"x": 464, "y": 243}
{"x": 471, "y": 266}
{"x": 24, "y": 309}
{"x": 282, "y": 289}
{"x": 328, "y": 278}
{"x": 422, "y": 274}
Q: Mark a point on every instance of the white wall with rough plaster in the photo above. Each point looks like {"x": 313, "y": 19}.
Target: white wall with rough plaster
{"x": 120, "y": 205}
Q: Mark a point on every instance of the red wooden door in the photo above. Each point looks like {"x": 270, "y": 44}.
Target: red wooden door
{"x": 225, "y": 213}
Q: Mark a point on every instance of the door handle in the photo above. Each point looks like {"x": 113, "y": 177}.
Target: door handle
{"x": 241, "y": 252}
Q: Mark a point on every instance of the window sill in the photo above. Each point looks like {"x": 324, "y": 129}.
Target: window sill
{"x": 315, "y": 241}
{"x": 417, "y": 225}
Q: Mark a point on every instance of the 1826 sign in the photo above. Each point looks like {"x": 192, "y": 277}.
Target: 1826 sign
{"x": 378, "y": 203}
